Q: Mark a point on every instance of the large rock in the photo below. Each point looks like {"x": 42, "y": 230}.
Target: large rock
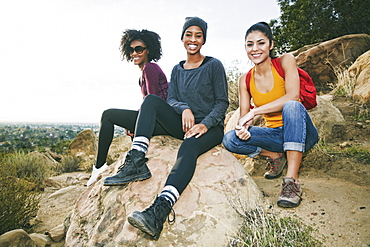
{"x": 16, "y": 238}
{"x": 327, "y": 118}
{"x": 85, "y": 147}
{"x": 360, "y": 71}
{"x": 204, "y": 213}
{"x": 320, "y": 60}
{"x": 86, "y": 143}
{"x": 60, "y": 202}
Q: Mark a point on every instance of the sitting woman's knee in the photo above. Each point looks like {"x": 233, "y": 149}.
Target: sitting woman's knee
{"x": 292, "y": 104}
{"x": 228, "y": 139}
{"x": 151, "y": 98}
{"x": 106, "y": 114}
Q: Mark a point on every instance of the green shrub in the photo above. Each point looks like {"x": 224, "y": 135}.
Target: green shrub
{"x": 33, "y": 167}
{"x": 69, "y": 163}
{"x": 362, "y": 113}
{"x": 18, "y": 202}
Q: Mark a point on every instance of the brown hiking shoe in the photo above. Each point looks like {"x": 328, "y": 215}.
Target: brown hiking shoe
{"x": 275, "y": 167}
{"x": 291, "y": 193}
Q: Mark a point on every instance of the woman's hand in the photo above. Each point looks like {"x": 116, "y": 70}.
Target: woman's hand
{"x": 242, "y": 132}
{"x": 247, "y": 119}
{"x": 241, "y": 129}
{"x": 188, "y": 120}
{"x": 197, "y": 130}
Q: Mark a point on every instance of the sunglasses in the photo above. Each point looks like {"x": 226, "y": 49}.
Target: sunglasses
{"x": 138, "y": 49}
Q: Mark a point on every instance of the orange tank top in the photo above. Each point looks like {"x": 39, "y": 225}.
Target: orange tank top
{"x": 275, "y": 119}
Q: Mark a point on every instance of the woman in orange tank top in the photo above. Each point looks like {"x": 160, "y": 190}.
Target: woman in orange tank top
{"x": 289, "y": 131}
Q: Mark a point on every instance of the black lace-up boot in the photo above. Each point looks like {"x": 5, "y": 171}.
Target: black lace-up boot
{"x": 151, "y": 219}
{"x": 133, "y": 169}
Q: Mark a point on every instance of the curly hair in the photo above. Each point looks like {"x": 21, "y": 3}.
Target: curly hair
{"x": 151, "y": 39}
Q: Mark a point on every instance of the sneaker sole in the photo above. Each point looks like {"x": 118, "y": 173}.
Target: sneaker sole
{"x": 128, "y": 180}
{"x": 138, "y": 221}
{"x": 288, "y": 204}
{"x": 267, "y": 176}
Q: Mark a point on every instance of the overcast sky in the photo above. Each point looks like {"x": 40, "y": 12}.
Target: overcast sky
{"x": 60, "y": 59}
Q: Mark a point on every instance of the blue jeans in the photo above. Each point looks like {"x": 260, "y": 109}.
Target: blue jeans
{"x": 297, "y": 134}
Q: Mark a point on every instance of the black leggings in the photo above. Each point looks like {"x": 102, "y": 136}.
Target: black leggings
{"x": 156, "y": 117}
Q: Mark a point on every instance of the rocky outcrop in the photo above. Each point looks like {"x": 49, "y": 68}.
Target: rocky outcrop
{"x": 204, "y": 213}
{"x": 16, "y": 238}
{"x": 320, "y": 60}
{"x": 327, "y": 118}
{"x": 360, "y": 71}
{"x": 85, "y": 146}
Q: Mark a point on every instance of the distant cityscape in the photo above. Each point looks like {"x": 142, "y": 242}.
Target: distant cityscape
{"x": 35, "y": 136}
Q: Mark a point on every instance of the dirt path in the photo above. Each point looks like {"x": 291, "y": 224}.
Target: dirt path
{"x": 338, "y": 209}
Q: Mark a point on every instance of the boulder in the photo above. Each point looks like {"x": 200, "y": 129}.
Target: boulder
{"x": 41, "y": 240}
{"x": 321, "y": 60}
{"x": 84, "y": 146}
{"x": 86, "y": 143}
{"x": 205, "y": 212}
{"x": 16, "y": 238}
{"x": 328, "y": 120}
{"x": 57, "y": 233}
{"x": 360, "y": 70}
{"x": 60, "y": 203}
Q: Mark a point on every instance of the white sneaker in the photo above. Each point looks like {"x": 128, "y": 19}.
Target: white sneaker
{"x": 95, "y": 173}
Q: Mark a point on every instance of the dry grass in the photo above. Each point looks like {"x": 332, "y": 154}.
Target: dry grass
{"x": 345, "y": 84}
{"x": 263, "y": 228}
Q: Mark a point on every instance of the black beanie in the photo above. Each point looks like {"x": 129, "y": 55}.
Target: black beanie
{"x": 195, "y": 21}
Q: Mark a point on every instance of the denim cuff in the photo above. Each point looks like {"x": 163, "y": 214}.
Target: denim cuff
{"x": 294, "y": 146}
{"x": 255, "y": 153}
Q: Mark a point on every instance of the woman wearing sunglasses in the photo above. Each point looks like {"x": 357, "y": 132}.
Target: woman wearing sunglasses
{"x": 141, "y": 47}
{"x": 194, "y": 112}
{"x": 289, "y": 131}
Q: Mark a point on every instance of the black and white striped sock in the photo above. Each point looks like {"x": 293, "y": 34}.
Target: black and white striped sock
{"x": 171, "y": 194}
{"x": 140, "y": 143}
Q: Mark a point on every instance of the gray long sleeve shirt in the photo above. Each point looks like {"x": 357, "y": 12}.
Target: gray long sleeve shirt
{"x": 203, "y": 90}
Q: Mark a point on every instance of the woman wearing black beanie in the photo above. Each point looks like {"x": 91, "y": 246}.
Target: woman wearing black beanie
{"x": 194, "y": 112}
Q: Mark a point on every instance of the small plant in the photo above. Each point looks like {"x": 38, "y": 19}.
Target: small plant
{"x": 232, "y": 76}
{"x": 360, "y": 154}
{"x": 19, "y": 198}
{"x": 69, "y": 163}
{"x": 355, "y": 151}
{"x": 362, "y": 113}
{"x": 346, "y": 83}
{"x": 260, "y": 228}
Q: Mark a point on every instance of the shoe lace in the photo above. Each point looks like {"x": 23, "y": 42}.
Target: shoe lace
{"x": 158, "y": 208}
{"x": 127, "y": 160}
{"x": 290, "y": 190}
{"x": 273, "y": 164}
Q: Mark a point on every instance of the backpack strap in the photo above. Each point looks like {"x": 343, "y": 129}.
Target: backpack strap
{"x": 275, "y": 62}
{"x": 248, "y": 81}
{"x": 277, "y": 65}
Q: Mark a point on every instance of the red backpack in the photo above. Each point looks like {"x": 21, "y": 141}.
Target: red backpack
{"x": 307, "y": 87}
